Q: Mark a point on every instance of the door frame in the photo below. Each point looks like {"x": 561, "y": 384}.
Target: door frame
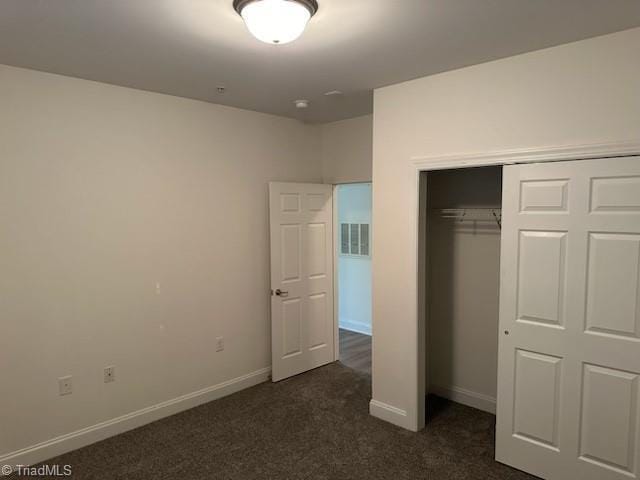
{"x": 336, "y": 289}
{"x": 413, "y": 417}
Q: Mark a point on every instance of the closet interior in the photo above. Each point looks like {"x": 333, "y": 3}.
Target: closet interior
{"x": 462, "y": 281}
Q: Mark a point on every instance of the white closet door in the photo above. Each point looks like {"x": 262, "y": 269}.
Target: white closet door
{"x": 569, "y": 350}
{"x": 302, "y": 320}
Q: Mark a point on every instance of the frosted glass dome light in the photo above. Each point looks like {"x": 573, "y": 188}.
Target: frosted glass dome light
{"x": 276, "y": 21}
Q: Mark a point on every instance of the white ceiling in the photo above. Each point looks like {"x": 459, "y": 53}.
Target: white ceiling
{"x": 190, "y": 47}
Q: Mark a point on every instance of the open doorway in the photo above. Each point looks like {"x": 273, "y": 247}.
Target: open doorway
{"x": 354, "y": 274}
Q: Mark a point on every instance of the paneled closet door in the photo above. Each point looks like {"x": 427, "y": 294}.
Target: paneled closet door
{"x": 569, "y": 349}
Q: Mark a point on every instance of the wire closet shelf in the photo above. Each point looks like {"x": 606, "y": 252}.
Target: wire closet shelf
{"x": 471, "y": 214}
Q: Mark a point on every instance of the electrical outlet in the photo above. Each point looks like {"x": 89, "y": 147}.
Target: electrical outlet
{"x": 219, "y": 344}
{"x": 65, "y": 385}
{"x": 109, "y": 374}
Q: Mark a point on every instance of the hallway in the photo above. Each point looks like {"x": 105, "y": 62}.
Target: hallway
{"x": 355, "y": 351}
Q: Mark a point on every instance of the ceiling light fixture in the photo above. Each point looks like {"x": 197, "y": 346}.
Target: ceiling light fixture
{"x": 276, "y": 21}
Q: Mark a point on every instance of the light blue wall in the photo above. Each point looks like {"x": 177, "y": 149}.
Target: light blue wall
{"x": 354, "y": 273}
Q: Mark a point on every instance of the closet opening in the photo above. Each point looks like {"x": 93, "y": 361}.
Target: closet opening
{"x": 462, "y": 279}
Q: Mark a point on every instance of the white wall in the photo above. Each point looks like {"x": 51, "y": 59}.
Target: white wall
{"x": 347, "y": 150}
{"x": 463, "y": 287}
{"x": 580, "y": 93}
{"x": 354, "y": 272}
{"x": 106, "y": 192}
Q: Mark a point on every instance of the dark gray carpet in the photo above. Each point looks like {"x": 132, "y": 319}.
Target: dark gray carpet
{"x": 314, "y": 426}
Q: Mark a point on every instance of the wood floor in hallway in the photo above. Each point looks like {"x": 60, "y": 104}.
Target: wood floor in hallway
{"x": 355, "y": 351}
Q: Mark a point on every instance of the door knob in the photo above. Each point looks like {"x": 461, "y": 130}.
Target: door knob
{"x": 281, "y": 293}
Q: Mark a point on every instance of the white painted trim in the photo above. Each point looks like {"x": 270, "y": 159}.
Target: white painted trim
{"x": 417, "y": 389}
{"x": 528, "y": 155}
{"x": 95, "y": 433}
{"x": 415, "y": 339}
{"x": 357, "y": 327}
{"x": 336, "y": 283}
{"x": 390, "y": 414}
{"x": 466, "y": 397}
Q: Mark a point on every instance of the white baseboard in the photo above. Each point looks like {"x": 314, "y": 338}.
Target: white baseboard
{"x": 86, "y": 436}
{"x": 480, "y": 401}
{"x": 390, "y": 414}
{"x": 358, "y": 327}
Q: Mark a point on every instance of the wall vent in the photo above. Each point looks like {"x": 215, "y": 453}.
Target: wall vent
{"x": 354, "y": 239}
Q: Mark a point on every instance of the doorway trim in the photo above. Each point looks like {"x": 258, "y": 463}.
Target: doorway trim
{"x": 413, "y": 417}
{"x": 336, "y": 287}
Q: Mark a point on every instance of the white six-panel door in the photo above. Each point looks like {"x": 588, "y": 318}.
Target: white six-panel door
{"x": 569, "y": 355}
{"x": 302, "y": 314}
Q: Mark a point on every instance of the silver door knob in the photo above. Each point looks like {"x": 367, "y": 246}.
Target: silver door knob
{"x": 282, "y": 293}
